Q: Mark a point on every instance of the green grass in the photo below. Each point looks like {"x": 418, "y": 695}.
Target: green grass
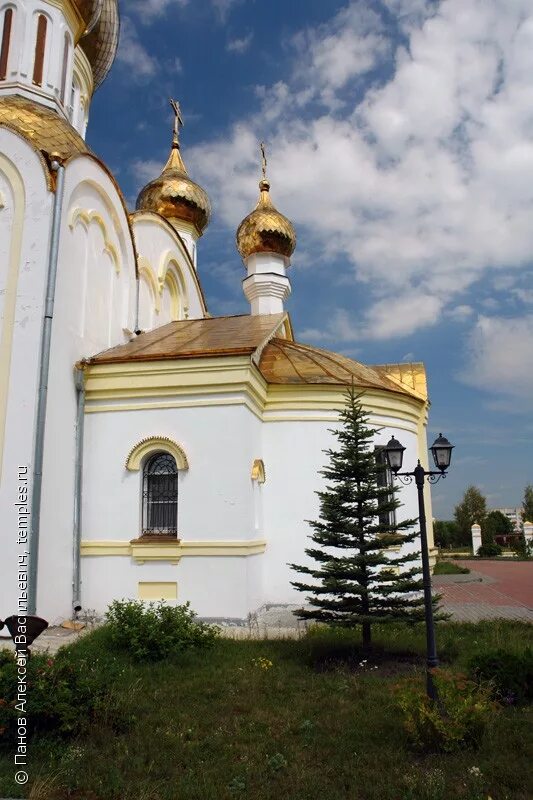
{"x": 216, "y": 726}
{"x": 448, "y": 568}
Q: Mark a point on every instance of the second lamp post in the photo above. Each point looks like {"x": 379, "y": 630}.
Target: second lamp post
{"x": 442, "y": 454}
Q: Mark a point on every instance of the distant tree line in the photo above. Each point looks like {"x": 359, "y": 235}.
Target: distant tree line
{"x": 473, "y": 509}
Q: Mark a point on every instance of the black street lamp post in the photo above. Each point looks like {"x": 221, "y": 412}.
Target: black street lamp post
{"x": 442, "y": 454}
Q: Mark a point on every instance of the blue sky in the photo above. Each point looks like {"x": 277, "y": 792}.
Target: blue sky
{"x": 400, "y": 140}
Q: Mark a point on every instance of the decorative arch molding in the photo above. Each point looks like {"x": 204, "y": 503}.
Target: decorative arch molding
{"x": 154, "y": 444}
{"x": 145, "y": 272}
{"x": 172, "y": 285}
{"x": 258, "y": 471}
{"x": 171, "y": 276}
{"x": 86, "y": 218}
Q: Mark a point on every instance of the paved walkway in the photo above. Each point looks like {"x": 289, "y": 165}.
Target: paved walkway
{"x": 493, "y": 590}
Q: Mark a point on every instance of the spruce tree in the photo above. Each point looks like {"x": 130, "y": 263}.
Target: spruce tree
{"x": 356, "y": 581}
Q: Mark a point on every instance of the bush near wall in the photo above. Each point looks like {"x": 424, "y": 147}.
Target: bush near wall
{"x": 151, "y": 632}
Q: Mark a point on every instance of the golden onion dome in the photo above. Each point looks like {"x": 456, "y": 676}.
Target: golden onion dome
{"x": 173, "y": 194}
{"x": 100, "y": 39}
{"x": 89, "y": 10}
{"x": 265, "y": 230}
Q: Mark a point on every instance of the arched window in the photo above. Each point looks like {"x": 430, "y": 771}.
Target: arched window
{"x": 40, "y": 45}
{"x": 160, "y": 496}
{"x": 6, "y": 38}
{"x": 66, "y": 53}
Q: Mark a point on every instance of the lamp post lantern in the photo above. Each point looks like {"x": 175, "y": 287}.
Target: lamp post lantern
{"x": 441, "y": 450}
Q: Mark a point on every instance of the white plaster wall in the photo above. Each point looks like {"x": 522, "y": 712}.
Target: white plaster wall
{"x": 27, "y": 207}
{"x": 216, "y": 501}
{"x": 214, "y": 585}
{"x": 160, "y": 251}
{"x": 95, "y": 298}
{"x": 293, "y": 455}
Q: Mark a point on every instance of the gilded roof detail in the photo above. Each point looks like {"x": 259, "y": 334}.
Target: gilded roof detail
{"x": 216, "y": 336}
{"x": 41, "y": 127}
{"x": 174, "y": 195}
{"x": 265, "y": 230}
{"x": 285, "y": 362}
{"x": 408, "y": 375}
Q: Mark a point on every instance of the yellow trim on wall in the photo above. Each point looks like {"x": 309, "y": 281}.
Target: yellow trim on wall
{"x": 168, "y": 384}
{"x": 423, "y": 455}
{"x": 145, "y": 273}
{"x": 258, "y": 471}
{"x": 153, "y": 591}
{"x": 152, "y": 444}
{"x": 14, "y": 179}
{"x": 170, "y": 283}
{"x": 170, "y": 274}
{"x": 142, "y": 552}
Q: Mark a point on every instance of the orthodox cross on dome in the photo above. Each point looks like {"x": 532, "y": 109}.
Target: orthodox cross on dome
{"x": 178, "y": 121}
{"x": 263, "y": 160}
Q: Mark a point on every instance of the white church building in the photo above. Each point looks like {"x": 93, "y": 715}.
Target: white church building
{"x": 149, "y": 449}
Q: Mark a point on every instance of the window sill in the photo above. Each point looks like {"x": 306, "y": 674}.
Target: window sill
{"x": 152, "y": 538}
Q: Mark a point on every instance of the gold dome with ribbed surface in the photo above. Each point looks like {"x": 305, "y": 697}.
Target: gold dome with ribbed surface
{"x": 100, "y": 41}
{"x": 174, "y": 195}
{"x": 265, "y": 230}
{"x": 89, "y": 10}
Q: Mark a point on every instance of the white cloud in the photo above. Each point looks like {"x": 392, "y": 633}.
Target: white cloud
{"x": 500, "y": 357}
{"x": 147, "y": 10}
{"x": 421, "y": 180}
{"x": 332, "y": 55}
{"x": 146, "y": 171}
{"x": 133, "y": 55}
{"x": 460, "y": 313}
{"x": 224, "y": 7}
{"x": 240, "y": 45}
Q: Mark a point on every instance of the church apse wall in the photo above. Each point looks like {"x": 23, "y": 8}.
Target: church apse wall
{"x": 25, "y": 206}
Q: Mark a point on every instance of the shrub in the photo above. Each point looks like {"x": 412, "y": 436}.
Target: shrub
{"x": 64, "y": 694}
{"x": 155, "y": 631}
{"x": 510, "y": 674}
{"x": 457, "y": 720}
{"x": 489, "y": 550}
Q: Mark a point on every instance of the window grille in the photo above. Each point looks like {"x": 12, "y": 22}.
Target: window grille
{"x": 6, "y": 38}
{"x": 160, "y": 496}
{"x": 384, "y": 480}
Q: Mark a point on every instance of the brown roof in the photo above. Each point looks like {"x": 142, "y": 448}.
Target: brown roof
{"x": 197, "y": 338}
{"x": 280, "y": 361}
{"x": 284, "y": 362}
